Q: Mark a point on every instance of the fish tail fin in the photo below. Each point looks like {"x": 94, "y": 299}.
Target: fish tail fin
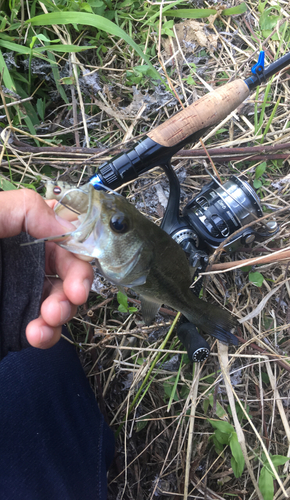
{"x": 215, "y": 321}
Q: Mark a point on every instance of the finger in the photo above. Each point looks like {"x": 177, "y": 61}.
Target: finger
{"x": 57, "y": 309}
{"x": 77, "y": 275}
{"x": 41, "y": 335}
{"x": 25, "y": 210}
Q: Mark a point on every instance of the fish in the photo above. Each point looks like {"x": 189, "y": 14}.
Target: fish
{"x": 68, "y": 195}
{"x": 131, "y": 251}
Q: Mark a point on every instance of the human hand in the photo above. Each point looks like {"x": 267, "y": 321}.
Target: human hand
{"x": 25, "y": 210}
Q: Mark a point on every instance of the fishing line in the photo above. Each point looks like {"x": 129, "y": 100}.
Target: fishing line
{"x": 60, "y": 202}
{"x": 106, "y": 188}
{"x": 29, "y": 243}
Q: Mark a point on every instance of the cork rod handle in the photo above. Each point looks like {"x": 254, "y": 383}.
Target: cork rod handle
{"x": 207, "y": 111}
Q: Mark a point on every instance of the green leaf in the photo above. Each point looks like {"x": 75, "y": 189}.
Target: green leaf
{"x": 67, "y": 80}
{"x": 40, "y": 106}
{"x": 19, "y": 77}
{"x": 221, "y": 131}
{"x": 30, "y": 126}
{"x": 5, "y": 184}
{"x": 20, "y": 49}
{"x": 96, "y": 3}
{"x": 218, "y": 446}
{"x": 191, "y": 13}
{"x": 41, "y": 37}
{"x": 222, "y": 437}
{"x": 63, "y": 48}
{"x": 28, "y": 186}
{"x": 56, "y": 76}
{"x": 267, "y": 21}
{"x": 268, "y": 322}
{"x": 184, "y": 391}
{"x": 238, "y": 462}
{"x": 4, "y": 72}
{"x": 245, "y": 269}
{"x": 122, "y": 299}
{"x": 235, "y": 467}
{"x": 266, "y": 484}
{"x": 205, "y": 405}
{"x": 170, "y": 390}
{"x": 190, "y": 80}
{"x": 233, "y": 11}
{"x": 144, "y": 70}
{"x": 260, "y": 170}
{"x": 168, "y": 24}
{"x": 222, "y": 426}
{"x": 219, "y": 410}
{"x": 265, "y": 378}
{"x": 141, "y": 424}
{"x": 3, "y": 23}
{"x": 256, "y": 278}
{"x": 98, "y": 22}
{"x": 261, "y": 6}
{"x": 279, "y": 460}
{"x": 240, "y": 413}
{"x": 257, "y": 184}
{"x": 122, "y": 309}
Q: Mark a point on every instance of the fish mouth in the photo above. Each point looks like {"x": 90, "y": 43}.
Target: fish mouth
{"x": 86, "y": 239}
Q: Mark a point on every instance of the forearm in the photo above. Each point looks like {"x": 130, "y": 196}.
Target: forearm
{"x": 21, "y": 284}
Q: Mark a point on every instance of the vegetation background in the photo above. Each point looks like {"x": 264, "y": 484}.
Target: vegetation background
{"x": 89, "y": 77}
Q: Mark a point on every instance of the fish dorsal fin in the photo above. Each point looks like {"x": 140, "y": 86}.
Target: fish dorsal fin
{"x": 149, "y": 309}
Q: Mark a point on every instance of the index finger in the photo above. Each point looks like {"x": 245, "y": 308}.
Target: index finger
{"x": 77, "y": 275}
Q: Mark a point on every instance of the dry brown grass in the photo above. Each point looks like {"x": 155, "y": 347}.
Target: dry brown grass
{"x": 162, "y": 450}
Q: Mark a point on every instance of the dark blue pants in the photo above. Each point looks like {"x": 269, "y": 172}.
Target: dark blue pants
{"x": 54, "y": 443}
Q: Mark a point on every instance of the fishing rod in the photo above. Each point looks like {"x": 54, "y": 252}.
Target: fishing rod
{"x": 159, "y": 145}
{"x": 218, "y": 211}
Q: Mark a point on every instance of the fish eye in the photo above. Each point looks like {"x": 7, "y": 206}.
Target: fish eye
{"x": 119, "y": 223}
{"x": 56, "y": 190}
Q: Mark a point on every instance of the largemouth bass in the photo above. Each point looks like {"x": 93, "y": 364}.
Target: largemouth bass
{"x": 131, "y": 251}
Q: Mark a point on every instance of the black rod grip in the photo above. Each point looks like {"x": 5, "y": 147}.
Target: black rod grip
{"x": 197, "y": 347}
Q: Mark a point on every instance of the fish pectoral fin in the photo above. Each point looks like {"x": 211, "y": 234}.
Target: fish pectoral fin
{"x": 149, "y": 309}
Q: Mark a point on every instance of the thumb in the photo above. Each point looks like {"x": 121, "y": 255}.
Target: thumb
{"x": 25, "y": 210}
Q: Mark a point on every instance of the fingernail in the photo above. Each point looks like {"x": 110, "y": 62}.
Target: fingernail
{"x": 46, "y": 335}
{"x": 65, "y": 311}
{"x": 87, "y": 285}
{"x": 65, "y": 223}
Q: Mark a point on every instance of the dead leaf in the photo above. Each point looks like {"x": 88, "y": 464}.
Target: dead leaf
{"x": 219, "y": 9}
{"x": 191, "y": 36}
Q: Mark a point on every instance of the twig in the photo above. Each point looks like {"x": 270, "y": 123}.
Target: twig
{"x": 237, "y": 264}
